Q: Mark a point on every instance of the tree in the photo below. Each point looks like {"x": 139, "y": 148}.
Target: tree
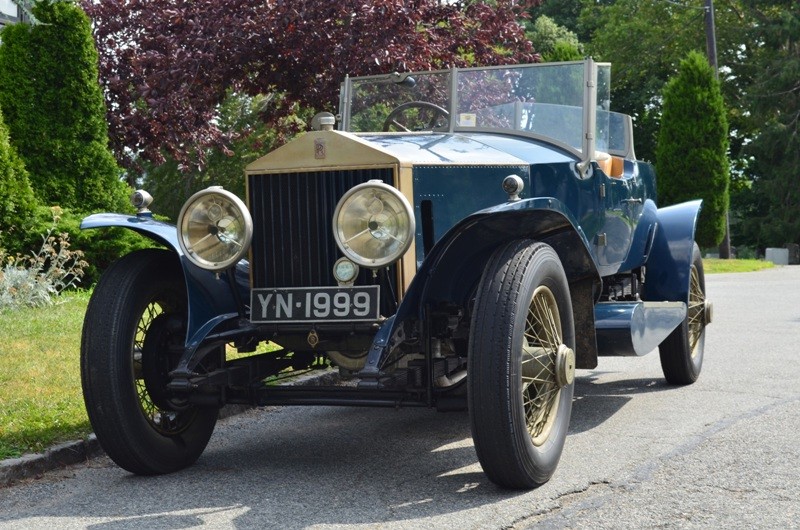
{"x": 553, "y": 42}
{"x": 166, "y": 66}
{"x": 17, "y": 202}
{"x": 53, "y": 104}
{"x": 564, "y": 13}
{"x": 691, "y": 155}
{"x": 769, "y": 212}
{"x": 240, "y": 119}
{"x": 645, "y": 41}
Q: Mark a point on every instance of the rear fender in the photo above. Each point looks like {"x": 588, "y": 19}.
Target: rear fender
{"x": 210, "y": 296}
{"x": 452, "y": 269}
{"x": 669, "y": 264}
{"x": 643, "y": 236}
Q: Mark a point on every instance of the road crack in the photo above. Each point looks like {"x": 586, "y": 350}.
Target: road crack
{"x": 563, "y": 500}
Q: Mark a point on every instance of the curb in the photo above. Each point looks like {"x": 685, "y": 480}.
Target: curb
{"x": 34, "y": 465}
{"x": 59, "y": 456}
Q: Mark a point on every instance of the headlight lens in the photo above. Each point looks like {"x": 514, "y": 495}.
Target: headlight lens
{"x": 345, "y": 271}
{"x": 373, "y": 224}
{"x": 214, "y": 229}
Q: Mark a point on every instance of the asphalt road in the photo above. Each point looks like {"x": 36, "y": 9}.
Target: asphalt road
{"x": 722, "y": 453}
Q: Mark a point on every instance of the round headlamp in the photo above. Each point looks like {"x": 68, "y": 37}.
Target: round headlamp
{"x": 214, "y": 229}
{"x": 373, "y": 224}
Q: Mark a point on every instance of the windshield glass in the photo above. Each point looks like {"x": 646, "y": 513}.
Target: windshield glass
{"x": 540, "y": 100}
{"x": 420, "y": 97}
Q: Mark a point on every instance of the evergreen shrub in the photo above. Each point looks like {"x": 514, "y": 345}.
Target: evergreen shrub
{"x": 692, "y": 152}
{"x": 55, "y": 112}
{"x": 17, "y": 202}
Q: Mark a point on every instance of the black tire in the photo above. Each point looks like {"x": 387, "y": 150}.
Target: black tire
{"x": 133, "y": 334}
{"x": 682, "y": 351}
{"x": 520, "y": 411}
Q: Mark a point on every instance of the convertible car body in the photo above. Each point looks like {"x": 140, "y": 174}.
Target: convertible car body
{"x": 464, "y": 238}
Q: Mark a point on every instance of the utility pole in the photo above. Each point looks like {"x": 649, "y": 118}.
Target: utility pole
{"x": 711, "y": 52}
{"x": 711, "y": 37}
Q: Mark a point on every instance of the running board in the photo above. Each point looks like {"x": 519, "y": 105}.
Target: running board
{"x": 635, "y": 328}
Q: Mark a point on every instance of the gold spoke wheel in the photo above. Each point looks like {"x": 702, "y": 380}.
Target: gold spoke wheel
{"x": 544, "y": 372}
{"x": 521, "y": 366}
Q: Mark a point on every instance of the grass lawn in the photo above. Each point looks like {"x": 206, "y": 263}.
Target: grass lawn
{"x": 40, "y": 385}
{"x": 715, "y": 265}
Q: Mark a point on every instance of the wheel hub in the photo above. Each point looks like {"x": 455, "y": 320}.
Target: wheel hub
{"x": 565, "y": 366}
{"x": 708, "y": 312}
{"x": 159, "y": 353}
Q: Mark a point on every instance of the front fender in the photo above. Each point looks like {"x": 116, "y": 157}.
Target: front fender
{"x": 210, "y": 296}
{"x": 454, "y": 266}
{"x": 669, "y": 264}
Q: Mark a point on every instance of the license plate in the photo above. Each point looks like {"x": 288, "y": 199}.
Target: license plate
{"x": 314, "y": 304}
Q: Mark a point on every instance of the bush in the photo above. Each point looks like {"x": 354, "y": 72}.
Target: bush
{"x": 100, "y": 248}
{"x": 55, "y": 111}
{"x": 692, "y": 151}
{"x": 17, "y": 202}
{"x": 553, "y": 42}
{"x": 34, "y": 281}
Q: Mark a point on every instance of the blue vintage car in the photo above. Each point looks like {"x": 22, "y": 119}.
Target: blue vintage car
{"x": 463, "y": 238}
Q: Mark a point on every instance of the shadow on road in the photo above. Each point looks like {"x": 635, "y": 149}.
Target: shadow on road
{"x": 301, "y": 467}
{"x": 596, "y": 401}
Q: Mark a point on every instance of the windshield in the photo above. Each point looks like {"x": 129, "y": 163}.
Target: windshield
{"x": 419, "y": 96}
{"x": 546, "y": 100}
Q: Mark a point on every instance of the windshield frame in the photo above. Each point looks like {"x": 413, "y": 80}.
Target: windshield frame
{"x": 589, "y": 106}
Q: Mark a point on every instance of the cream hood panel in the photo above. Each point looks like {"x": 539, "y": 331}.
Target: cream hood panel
{"x": 320, "y": 150}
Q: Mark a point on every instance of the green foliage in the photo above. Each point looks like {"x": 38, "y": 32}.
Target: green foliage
{"x": 768, "y": 211}
{"x": 563, "y": 51}
{"x": 645, "y": 41}
{"x": 240, "y": 116}
{"x": 100, "y": 247}
{"x": 717, "y": 266}
{"x": 691, "y": 156}
{"x": 553, "y": 42}
{"x": 643, "y": 51}
{"x": 36, "y": 280}
{"x": 563, "y": 12}
{"x": 16, "y": 196}
{"x": 55, "y": 111}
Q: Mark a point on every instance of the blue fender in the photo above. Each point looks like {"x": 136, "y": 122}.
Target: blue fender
{"x": 455, "y": 264}
{"x": 669, "y": 263}
{"x": 643, "y": 237}
{"x": 211, "y": 299}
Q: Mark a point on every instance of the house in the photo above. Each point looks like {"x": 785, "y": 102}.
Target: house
{"x": 10, "y": 13}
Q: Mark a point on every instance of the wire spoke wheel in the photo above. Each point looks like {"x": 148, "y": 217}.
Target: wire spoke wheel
{"x": 696, "y": 311}
{"x": 682, "y": 351}
{"x": 540, "y": 390}
{"x": 133, "y": 337}
{"x": 521, "y": 365}
{"x": 154, "y": 356}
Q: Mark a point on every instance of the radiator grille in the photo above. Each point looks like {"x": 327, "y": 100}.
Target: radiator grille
{"x": 292, "y": 213}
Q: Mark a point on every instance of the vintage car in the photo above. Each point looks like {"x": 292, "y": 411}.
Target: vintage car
{"x": 455, "y": 239}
